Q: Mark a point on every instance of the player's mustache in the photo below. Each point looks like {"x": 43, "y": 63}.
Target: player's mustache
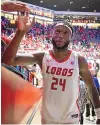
{"x": 56, "y": 39}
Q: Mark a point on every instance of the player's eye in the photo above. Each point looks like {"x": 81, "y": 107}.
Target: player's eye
{"x": 66, "y": 32}
{"x": 57, "y": 31}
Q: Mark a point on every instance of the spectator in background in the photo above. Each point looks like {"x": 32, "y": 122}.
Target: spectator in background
{"x": 37, "y": 74}
{"x": 97, "y": 67}
{"x": 34, "y": 69}
{"x": 82, "y": 99}
{"x": 90, "y": 113}
{"x": 40, "y": 32}
{"x": 91, "y": 116}
{"x": 96, "y": 83}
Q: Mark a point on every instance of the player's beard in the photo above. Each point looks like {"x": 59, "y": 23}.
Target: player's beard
{"x": 60, "y": 48}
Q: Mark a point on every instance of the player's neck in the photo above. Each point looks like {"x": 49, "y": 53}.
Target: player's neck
{"x": 60, "y": 54}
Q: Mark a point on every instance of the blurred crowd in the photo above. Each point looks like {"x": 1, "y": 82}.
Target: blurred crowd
{"x": 85, "y": 40}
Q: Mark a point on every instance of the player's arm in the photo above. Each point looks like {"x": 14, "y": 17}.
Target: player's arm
{"x": 9, "y": 56}
{"x": 87, "y": 77}
{"x": 26, "y": 60}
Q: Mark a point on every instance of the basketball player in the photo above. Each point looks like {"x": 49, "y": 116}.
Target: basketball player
{"x": 61, "y": 68}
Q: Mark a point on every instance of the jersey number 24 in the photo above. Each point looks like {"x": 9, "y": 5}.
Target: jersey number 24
{"x": 56, "y": 82}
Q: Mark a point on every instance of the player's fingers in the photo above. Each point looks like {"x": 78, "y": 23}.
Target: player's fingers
{"x": 33, "y": 21}
{"x": 27, "y": 13}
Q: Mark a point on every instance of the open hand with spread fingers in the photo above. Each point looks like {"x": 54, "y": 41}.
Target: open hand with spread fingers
{"x": 24, "y": 24}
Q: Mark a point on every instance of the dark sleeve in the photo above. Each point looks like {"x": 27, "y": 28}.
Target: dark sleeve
{"x": 96, "y": 82}
{"x": 13, "y": 69}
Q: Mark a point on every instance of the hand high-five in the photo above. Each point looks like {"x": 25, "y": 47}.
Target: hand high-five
{"x": 12, "y": 6}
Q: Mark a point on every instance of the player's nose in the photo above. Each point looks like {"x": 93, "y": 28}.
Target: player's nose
{"x": 61, "y": 35}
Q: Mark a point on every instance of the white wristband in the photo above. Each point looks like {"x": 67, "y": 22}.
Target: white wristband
{"x": 97, "y": 111}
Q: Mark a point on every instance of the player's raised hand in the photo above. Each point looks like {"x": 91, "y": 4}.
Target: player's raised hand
{"x": 24, "y": 24}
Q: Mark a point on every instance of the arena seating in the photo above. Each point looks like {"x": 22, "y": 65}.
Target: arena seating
{"x": 84, "y": 41}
